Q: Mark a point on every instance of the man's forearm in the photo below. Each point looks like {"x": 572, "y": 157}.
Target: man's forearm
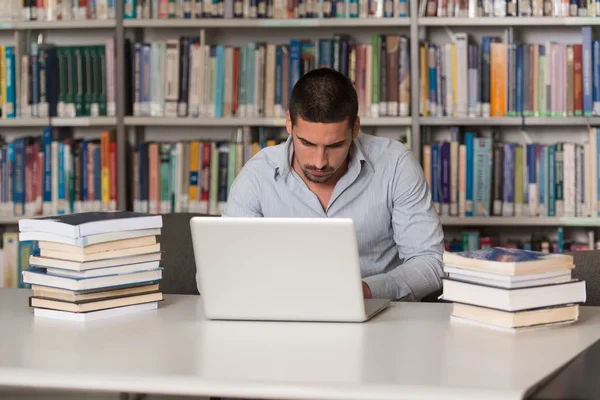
{"x": 413, "y": 280}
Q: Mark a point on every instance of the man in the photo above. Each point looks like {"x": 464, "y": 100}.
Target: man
{"x": 328, "y": 169}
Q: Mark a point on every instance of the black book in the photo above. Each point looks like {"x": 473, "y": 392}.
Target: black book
{"x": 91, "y": 223}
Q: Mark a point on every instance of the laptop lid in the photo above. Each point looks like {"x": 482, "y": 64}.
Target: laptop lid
{"x": 302, "y": 269}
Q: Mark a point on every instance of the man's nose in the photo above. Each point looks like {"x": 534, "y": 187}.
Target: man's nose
{"x": 321, "y": 158}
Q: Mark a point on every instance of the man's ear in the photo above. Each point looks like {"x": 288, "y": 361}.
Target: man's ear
{"x": 288, "y": 123}
{"x": 356, "y": 128}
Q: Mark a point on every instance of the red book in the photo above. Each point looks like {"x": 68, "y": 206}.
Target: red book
{"x": 578, "y": 85}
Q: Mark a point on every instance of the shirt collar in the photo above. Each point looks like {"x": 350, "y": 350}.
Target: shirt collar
{"x": 284, "y": 162}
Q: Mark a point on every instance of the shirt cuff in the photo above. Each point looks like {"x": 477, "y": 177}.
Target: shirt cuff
{"x": 384, "y": 286}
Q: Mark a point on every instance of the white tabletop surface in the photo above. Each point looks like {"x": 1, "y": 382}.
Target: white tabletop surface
{"x": 412, "y": 350}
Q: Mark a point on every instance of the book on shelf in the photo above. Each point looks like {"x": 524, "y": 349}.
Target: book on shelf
{"x": 512, "y": 289}
{"x": 39, "y": 79}
{"x": 470, "y": 240}
{"x": 14, "y": 259}
{"x": 188, "y": 9}
{"x": 91, "y": 281}
{"x": 503, "y": 179}
{"x": 56, "y": 173}
{"x": 62, "y": 10}
{"x": 508, "y": 8}
{"x": 502, "y": 77}
{"x": 187, "y": 77}
{"x": 195, "y": 176}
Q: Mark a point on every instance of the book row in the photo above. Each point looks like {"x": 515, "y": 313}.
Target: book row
{"x": 509, "y": 8}
{"x": 191, "y": 176}
{"x": 498, "y": 79}
{"x": 55, "y": 174}
{"x": 280, "y": 9}
{"x": 43, "y": 80}
{"x": 59, "y": 10}
{"x": 188, "y": 78}
{"x": 473, "y": 240}
{"x": 481, "y": 176}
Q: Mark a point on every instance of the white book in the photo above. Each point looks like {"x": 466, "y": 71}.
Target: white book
{"x": 171, "y": 78}
{"x": 593, "y": 167}
{"x": 98, "y": 272}
{"x": 194, "y": 95}
{"x": 38, "y": 277}
{"x": 569, "y": 181}
{"x": 462, "y": 74}
{"x": 95, "y": 315}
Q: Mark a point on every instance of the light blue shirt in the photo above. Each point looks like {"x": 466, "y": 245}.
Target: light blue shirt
{"x": 400, "y": 237}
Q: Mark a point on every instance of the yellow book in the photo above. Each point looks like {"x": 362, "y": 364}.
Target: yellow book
{"x": 454, "y": 83}
{"x": 105, "y": 162}
{"x": 498, "y": 79}
{"x": 194, "y": 168}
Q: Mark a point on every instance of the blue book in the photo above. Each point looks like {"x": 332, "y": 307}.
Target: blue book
{"x": 61, "y": 179}
{"x": 84, "y": 175}
{"x": 542, "y": 184}
{"x": 482, "y": 175}
{"x": 10, "y": 109}
{"x": 432, "y": 80}
{"x": 586, "y": 70}
{"x": 353, "y": 12}
{"x": 146, "y": 80}
{"x": 47, "y": 149}
{"x": 596, "y": 79}
{"x": 551, "y": 181}
{"x": 445, "y": 166}
{"x": 508, "y": 261}
{"x": 325, "y": 53}
{"x": 220, "y": 81}
{"x": 19, "y": 177}
{"x": 436, "y": 177}
{"x": 278, "y": 81}
{"x": 469, "y": 209}
{"x": 519, "y": 81}
{"x": 129, "y": 9}
{"x": 294, "y": 63}
{"x": 508, "y": 184}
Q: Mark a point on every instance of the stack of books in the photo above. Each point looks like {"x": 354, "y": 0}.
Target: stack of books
{"x": 93, "y": 265}
{"x": 512, "y": 289}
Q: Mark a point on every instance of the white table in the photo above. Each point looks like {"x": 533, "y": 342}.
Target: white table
{"x": 409, "y": 351}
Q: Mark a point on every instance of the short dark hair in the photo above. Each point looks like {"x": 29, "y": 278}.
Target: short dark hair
{"x": 324, "y": 95}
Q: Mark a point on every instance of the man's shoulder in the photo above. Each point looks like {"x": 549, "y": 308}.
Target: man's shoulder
{"x": 384, "y": 150}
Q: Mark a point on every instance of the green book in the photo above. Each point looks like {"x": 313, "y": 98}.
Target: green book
{"x": 214, "y": 180}
{"x": 375, "y": 46}
{"x": 165, "y": 175}
{"x": 519, "y": 188}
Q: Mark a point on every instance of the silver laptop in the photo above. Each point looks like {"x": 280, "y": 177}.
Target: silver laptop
{"x": 280, "y": 269}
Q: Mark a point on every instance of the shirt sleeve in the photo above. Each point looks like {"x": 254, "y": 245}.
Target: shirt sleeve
{"x": 243, "y": 198}
{"x": 418, "y": 235}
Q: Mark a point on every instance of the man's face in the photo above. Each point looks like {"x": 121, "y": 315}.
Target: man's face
{"x": 320, "y": 150}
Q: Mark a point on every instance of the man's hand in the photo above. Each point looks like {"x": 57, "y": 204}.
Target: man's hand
{"x": 366, "y": 291}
